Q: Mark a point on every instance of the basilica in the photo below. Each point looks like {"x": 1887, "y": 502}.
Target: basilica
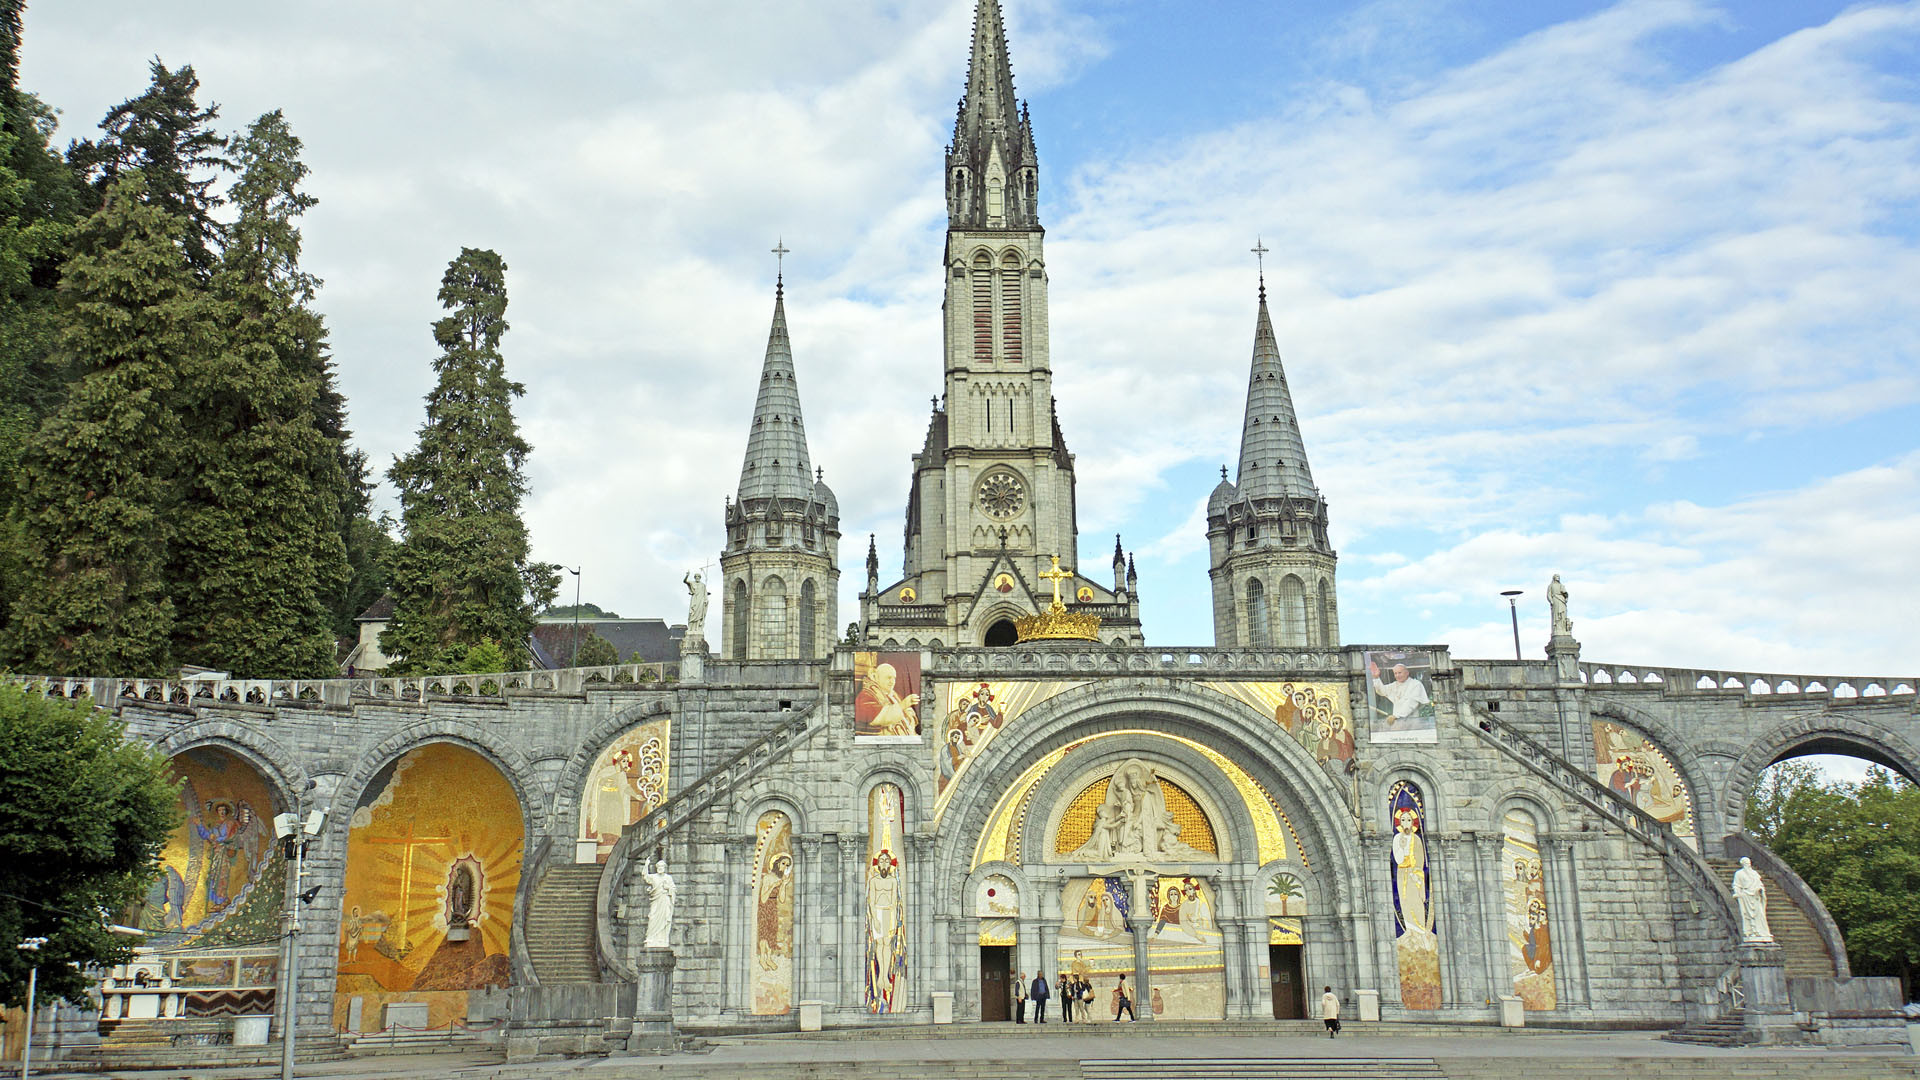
{"x": 987, "y": 773}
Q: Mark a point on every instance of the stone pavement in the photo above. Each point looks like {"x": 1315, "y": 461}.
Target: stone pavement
{"x": 984, "y": 1051}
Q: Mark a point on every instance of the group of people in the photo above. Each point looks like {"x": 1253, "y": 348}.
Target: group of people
{"x": 1076, "y": 996}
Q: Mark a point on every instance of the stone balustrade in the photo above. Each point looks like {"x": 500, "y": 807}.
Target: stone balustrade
{"x": 1709, "y": 680}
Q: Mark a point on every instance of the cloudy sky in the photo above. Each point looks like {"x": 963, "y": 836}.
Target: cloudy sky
{"x": 1622, "y": 291}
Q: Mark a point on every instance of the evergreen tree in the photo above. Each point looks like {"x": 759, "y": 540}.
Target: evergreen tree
{"x": 39, "y": 204}
{"x": 96, "y": 511}
{"x": 167, "y": 136}
{"x": 260, "y": 554}
{"x": 460, "y": 574}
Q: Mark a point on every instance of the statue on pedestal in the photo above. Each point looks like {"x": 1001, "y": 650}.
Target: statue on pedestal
{"x": 661, "y": 893}
{"x": 1750, "y": 892}
{"x": 696, "y": 610}
{"x": 1557, "y": 601}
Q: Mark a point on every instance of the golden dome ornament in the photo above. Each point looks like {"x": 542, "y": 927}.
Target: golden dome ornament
{"x": 1057, "y": 623}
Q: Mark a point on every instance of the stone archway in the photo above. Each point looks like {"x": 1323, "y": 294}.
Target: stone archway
{"x": 1821, "y": 733}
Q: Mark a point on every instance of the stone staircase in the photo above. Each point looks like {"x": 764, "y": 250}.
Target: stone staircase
{"x": 1800, "y": 944}
{"x": 1727, "y": 1030}
{"x": 1359, "y": 1068}
{"x": 560, "y": 923}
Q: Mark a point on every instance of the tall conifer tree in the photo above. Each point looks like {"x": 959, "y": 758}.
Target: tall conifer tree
{"x": 96, "y": 514}
{"x": 260, "y": 553}
{"x": 460, "y": 575}
{"x": 165, "y": 134}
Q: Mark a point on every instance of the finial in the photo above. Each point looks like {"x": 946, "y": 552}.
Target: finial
{"x": 1223, "y": 472}
{"x": 1259, "y": 250}
{"x": 780, "y": 253}
{"x": 936, "y": 402}
{"x": 819, "y": 473}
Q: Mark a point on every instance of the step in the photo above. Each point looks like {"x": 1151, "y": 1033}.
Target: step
{"x": 1259, "y": 1068}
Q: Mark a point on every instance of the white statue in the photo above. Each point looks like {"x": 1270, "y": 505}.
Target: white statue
{"x": 660, "y": 896}
{"x": 1557, "y": 600}
{"x": 696, "y": 607}
{"x": 1750, "y": 891}
{"x": 1133, "y": 820}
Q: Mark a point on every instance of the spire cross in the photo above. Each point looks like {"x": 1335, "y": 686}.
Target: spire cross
{"x": 1259, "y": 250}
{"x": 780, "y": 253}
{"x": 1056, "y": 575}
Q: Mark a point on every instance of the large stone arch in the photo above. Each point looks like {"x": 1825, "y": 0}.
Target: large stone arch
{"x": 1822, "y": 732}
{"x": 275, "y": 761}
{"x": 1322, "y": 823}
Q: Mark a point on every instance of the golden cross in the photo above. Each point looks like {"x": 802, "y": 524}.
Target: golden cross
{"x": 1056, "y": 575}
{"x": 408, "y": 843}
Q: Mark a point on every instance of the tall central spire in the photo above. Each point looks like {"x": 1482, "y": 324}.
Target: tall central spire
{"x": 992, "y": 170}
{"x": 776, "y": 465}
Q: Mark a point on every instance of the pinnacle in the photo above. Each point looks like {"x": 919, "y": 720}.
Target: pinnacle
{"x": 1273, "y": 457}
{"x": 777, "y": 441}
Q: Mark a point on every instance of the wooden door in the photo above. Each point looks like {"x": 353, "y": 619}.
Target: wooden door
{"x": 1289, "y": 990}
{"x": 995, "y": 963}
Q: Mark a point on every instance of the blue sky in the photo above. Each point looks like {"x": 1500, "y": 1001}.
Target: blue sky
{"x": 1618, "y": 291}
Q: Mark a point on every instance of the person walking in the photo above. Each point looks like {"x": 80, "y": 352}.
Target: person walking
{"x": 1122, "y": 1003}
{"x": 1066, "y": 997}
{"x": 1330, "y": 1012}
{"x": 1038, "y": 993}
{"x": 1020, "y": 999}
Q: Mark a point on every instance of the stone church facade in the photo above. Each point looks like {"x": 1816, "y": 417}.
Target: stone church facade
{"x": 892, "y": 821}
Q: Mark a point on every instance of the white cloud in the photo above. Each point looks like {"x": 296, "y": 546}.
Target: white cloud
{"x": 1491, "y": 283}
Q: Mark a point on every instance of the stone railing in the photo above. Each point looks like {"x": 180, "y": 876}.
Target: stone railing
{"x": 639, "y": 840}
{"x": 1711, "y": 680}
{"x": 1603, "y": 800}
{"x": 338, "y": 692}
{"x": 1092, "y": 658}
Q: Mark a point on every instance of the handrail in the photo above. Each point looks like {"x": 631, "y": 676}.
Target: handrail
{"x": 1600, "y": 798}
{"x": 1744, "y": 843}
{"x": 653, "y": 827}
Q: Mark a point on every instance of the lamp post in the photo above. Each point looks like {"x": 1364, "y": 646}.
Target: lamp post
{"x": 31, "y": 945}
{"x": 574, "y": 655}
{"x": 1513, "y": 610}
{"x": 294, "y": 835}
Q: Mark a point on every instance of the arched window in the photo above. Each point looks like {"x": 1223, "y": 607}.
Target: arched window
{"x": 982, "y": 309}
{"x": 1259, "y": 632}
{"x": 1293, "y": 611}
{"x": 1002, "y": 634}
{"x": 1327, "y": 634}
{"x": 807, "y": 618}
{"x": 1010, "y": 330}
{"x": 740, "y": 614}
{"x": 996, "y": 201}
{"x": 773, "y": 619}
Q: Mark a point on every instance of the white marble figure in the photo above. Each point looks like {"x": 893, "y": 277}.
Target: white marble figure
{"x": 661, "y": 892}
{"x": 1750, "y": 892}
{"x": 696, "y": 608}
{"x": 1557, "y": 601}
{"x": 1133, "y": 820}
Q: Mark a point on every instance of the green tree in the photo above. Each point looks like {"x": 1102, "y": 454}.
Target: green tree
{"x": 166, "y": 135}
{"x": 84, "y": 813}
{"x": 95, "y": 517}
{"x": 461, "y": 572}
{"x": 261, "y": 555}
{"x": 1858, "y": 846}
{"x": 594, "y": 651}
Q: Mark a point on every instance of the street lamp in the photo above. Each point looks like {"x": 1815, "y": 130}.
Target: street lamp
{"x": 31, "y": 945}
{"x": 293, "y": 836}
{"x": 574, "y": 656}
{"x": 1515, "y": 612}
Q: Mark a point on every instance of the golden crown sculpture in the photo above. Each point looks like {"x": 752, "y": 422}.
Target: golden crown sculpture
{"x": 1057, "y": 623}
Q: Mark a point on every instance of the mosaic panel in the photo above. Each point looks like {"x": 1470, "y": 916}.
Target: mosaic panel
{"x": 221, "y": 878}
{"x": 1415, "y": 945}
{"x": 886, "y": 948}
{"x": 1530, "y": 950}
{"x": 772, "y": 974}
{"x": 1640, "y": 772}
{"x": 973, "y": 713}
{"x": 1316, "y": 714}
{"x": 628, "y": 779}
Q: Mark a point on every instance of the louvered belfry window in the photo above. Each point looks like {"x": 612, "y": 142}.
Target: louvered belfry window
{"x": 983, "y": 315}
{"x": 1010, "y": 313}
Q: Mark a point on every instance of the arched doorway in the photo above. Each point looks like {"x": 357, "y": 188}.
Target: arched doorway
{"x": 433, "y": 863}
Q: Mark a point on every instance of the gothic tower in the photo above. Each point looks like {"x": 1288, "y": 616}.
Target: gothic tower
{"x": 1272, "y": 567}
{"x": 780, "y": 572}
{"x": 992, "y": 499}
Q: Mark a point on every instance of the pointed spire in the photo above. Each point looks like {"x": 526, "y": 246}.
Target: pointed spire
{"x": 1273, "y": 458}
{"x": 992, "y": 168}
{"x": 873, "y": 562}
{"x": 1119, "y": 557}
{"x": 776, "y": 465}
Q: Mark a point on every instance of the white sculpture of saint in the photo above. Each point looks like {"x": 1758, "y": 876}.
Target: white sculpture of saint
{"x": 660, "y": 896}
{"x": 1557, "y": 602}
{"x": 696, "y": 607}
{"x": 1750, "y": 892}
{"x": 1133, "y": 821}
